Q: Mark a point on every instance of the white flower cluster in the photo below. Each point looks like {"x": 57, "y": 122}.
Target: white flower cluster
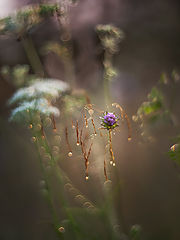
{"x": 49, "y": 89}
{"x": 37, "y": 97}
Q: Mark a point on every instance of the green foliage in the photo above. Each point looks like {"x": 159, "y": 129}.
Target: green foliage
{"x": 135, "y": 232}
{"x": 46, "y": 10}
{"x": 154, "y": 104}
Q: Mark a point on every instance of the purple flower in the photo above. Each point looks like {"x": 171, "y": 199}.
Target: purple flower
{"x": 109, "y": 120}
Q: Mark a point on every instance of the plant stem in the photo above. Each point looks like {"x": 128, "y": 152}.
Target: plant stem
{"x": 49, "y": 192}
{"x": 32, "y": 56}
{"x": 58, "y": 174}
{"x": 107, "y": 64}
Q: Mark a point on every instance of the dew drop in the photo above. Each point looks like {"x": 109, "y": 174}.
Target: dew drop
{"x": 111, "y": 162}
{"x": 87, "y": 178}
{"x": 54, "y": 130}
{"x": 77, "y": 144}
{"x": 129, "y": 139}
{"x": 61, "y": 229}
{"x": 33, "y": 139}
{"x": 114, "y": 164}
{"x": 70, "y": 154}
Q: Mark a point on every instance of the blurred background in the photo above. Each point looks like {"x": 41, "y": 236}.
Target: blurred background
{"x": 150, "y": 192}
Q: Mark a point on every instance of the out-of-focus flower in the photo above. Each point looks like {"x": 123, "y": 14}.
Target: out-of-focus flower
{"x": 40, "y": 106}
{"x": 37, "y": 99}
{"x": 41, "y": 88}
{"x": 110, "y": 36}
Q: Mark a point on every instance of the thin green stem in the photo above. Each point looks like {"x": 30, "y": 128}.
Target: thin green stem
{"x": 32, "y": 56}
{"x": 107, "y": 78}
{"x": 49, "y": 192}
{"x": 58, "y": 173}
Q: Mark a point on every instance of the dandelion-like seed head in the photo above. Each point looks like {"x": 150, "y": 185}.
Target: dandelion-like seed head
{"x": 109, "y": 121}
{"x": 110, "y": 36}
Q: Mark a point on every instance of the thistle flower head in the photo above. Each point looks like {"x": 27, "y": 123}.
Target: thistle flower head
{"x": 109, "y": 121}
